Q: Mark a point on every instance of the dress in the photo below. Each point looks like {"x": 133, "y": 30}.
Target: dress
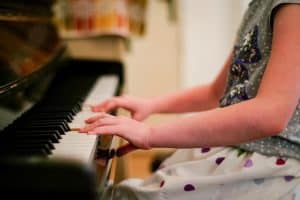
{"x": 266, "y": 169}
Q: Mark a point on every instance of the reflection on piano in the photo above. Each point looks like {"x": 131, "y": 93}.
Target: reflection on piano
{"x": 44, "y": 95}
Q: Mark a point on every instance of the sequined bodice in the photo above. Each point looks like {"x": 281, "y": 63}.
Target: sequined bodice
{"x": 251, "y": 53}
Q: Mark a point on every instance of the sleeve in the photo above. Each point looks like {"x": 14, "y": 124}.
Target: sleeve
{"x": 276, "y": 5}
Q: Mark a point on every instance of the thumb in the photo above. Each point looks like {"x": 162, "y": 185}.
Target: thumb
{"x": 138, "y": 116}
{"x": 127, "y": 148}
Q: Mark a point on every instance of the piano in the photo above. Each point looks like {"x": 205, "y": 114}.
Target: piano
{"x": 44, "y": 97}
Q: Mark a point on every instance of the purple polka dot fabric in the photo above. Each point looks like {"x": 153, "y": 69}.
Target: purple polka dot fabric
{"x": 205, "y": 149}
{"x": 289, "y": 178}
{"x": 248, "y": 163}
{"x": 189, "y": 187}
{"x": 219, "y": 160}
{"x": 197, "y": 174}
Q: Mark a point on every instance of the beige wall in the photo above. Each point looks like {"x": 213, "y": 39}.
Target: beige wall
{"x": 207, "y": 31}
{"x": 152, "y": 65}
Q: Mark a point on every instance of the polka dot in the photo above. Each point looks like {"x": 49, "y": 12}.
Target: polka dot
{"x": 288, "y": 178}
{"x": 219, "y": 160}
{"x": 259, "y": 181}
{"x": 248, "y": 163}
{"x": 162, "y": 183}
{"x": 189, "y": 187}
{"x": 205, "y": 149}
{"x": 280, "y": 161}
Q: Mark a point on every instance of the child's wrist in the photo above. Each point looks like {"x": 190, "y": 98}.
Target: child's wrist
{"x": 155, "y": 105}
{"x": 151, "y": 137}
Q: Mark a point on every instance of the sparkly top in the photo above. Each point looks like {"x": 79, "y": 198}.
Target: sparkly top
{"x": 251, "y": 53}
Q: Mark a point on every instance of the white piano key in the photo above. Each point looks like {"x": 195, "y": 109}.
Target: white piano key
{"x": 107, "y": 86}
{"x": 74, "y": 144}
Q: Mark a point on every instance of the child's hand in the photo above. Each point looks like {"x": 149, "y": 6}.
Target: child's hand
{"x": 139, "y": 108}
{"x": 135, "y": 132}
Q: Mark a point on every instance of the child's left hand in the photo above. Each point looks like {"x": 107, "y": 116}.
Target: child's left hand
{"x": 135, "y": 132}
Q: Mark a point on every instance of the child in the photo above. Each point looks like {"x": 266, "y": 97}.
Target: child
{"x": 244, "y": 143}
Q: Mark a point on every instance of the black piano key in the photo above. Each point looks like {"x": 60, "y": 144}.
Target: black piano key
{"x": 30, "y": 142}
{"x": 30, "y": 152}
{"x": 52, "y": 109}
{"x": 62, "y": 123}
{"x": 34, "y": 146}
{"x": 52, "y": 122}
{"x": 55, "y": 133}
{"x": 33, "y": 137}
{"x": 46, "y": 107}
{"x": 48, "y": 117}
{"x": 62, "y": 108}
{"x": 56, "y": 130}
{"x": 36, "y": 131}
{"x": 10, "y": 133}
{"x": 11, "y": 141}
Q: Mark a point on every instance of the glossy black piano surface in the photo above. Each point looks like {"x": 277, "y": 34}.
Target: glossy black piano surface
{"x": 41, "y": 91}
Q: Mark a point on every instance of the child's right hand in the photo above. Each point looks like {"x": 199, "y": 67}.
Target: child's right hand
{"x": 138, "y": 107}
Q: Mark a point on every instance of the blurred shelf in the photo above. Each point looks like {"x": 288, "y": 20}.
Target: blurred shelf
{"x": 104, "y": 47}
{"x": 73, "y": 35}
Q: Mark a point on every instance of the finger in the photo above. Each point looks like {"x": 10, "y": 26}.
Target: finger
{"x": 106, "y": 105}
{"x": 105, "y": 130}
{"x": 112, "y": 105}
{"x": 102, "y": 121}
{"x": 138, "y": 116}
{"x": 95, "y": 118}
{"x": 127, "y": 148}
{"x": 99, "y": 108}
{"x": 92, "y": 119}
{"x": 117, "y": 102}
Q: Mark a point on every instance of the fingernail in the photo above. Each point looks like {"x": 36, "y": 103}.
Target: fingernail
{"x": 82, "y": 130}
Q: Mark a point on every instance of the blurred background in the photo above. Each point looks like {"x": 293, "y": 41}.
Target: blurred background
{"x": 165, "y": 45}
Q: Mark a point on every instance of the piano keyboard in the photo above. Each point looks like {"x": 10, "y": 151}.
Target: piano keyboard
{"x": 82, "y": 146}
{"x": 45, "y": 129}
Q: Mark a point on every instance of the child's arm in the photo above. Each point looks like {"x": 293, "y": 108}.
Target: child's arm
{"x": 265, "y": 115}
{"x": 190, "y": 100}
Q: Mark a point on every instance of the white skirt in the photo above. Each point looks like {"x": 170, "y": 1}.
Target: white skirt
{"x": 215, "y": 173}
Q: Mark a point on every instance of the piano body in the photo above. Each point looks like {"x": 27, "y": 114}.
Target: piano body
{"x": 44, "y": 94}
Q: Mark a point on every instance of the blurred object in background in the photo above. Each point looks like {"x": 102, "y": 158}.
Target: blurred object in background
{"x": 137, "y": 16}
{"x": 111, "y": 16}
{"x": 172, "y": 9}
{"x": 80, "y": 18}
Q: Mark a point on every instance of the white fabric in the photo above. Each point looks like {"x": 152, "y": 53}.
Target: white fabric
{"x": 216, "y": 173}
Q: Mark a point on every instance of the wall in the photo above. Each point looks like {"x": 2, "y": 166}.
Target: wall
{"x": 152, "y": 65}
{"x": 207, "y": 30}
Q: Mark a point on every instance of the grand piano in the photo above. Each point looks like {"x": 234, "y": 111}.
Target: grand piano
{"x": 44, "y": 97}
